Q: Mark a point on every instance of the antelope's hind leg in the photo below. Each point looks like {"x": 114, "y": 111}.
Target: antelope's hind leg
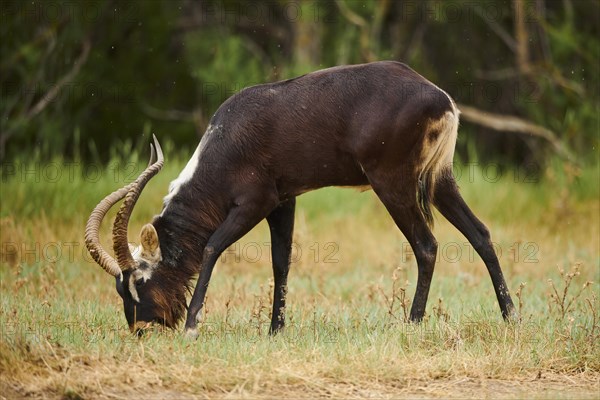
{"x": 391, "y": 188}
{"x": 449, "y": 202}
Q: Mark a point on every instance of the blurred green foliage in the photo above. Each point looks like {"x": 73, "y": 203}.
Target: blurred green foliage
{"x": 87, "y": 79}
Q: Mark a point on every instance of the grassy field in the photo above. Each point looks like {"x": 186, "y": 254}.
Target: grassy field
{"x": 63, "y": 333}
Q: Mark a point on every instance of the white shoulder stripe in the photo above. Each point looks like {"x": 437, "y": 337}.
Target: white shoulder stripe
{"x": 187, "y": 173}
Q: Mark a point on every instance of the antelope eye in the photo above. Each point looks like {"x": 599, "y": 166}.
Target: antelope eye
{"x": 139, "y": 282}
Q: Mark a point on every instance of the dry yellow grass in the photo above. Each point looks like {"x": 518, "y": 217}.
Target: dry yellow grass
{"x": 64, "y": 335}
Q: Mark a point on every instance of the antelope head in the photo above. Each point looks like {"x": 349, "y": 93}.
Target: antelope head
{"x": 142, "y": 281}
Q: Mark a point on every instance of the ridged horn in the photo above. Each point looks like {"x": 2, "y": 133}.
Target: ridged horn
{"x": 92, "y": 227}
{"x": 120, "y": 243}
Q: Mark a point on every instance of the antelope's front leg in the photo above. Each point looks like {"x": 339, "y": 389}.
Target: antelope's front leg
{"x": 239, "y": 221}
{"x": 281, "y": 224}
{"x": 209, "y": 259}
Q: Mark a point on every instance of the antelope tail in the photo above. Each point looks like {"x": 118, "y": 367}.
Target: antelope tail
{"x": 438, "y": 159}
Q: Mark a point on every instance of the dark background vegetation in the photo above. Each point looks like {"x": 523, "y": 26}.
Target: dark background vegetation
{"x": 92, "y": 79}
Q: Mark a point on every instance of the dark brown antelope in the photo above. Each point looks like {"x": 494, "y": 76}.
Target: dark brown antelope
{"x": 380, "y": 125}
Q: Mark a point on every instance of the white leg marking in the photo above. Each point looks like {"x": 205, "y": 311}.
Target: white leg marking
{"x": 191, "y": 334}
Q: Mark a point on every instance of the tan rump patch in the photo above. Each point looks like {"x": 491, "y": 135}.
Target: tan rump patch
{"x": 439, "y": 144}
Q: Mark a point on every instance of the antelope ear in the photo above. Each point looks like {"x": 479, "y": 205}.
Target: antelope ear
{"x": 150, "y": 244}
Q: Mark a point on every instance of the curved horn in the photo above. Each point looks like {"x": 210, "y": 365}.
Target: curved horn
{"x": 92, "y": 227}
{"x": 120, "y": 243}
